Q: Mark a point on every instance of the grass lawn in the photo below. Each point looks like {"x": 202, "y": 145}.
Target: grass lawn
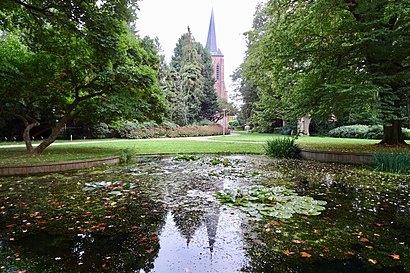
{"x": 13, "y": 156}
{"x": 243, "y": 143}
{"x": 320, "y": 143}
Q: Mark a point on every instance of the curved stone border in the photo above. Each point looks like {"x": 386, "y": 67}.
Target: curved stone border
{"x": 339, "y": 157}
{"x": 57, "y": 167}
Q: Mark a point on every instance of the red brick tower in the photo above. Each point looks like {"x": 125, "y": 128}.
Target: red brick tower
{"x": 217, "y": 60}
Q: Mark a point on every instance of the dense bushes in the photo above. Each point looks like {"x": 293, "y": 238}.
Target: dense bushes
{"x": 362, "y": 131}
{"x": 136, "y": 130}
{"x": 358, "y": 131}
{"x": 283, "y": 147}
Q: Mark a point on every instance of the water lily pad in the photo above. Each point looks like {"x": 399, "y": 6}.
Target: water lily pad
{"x": 271, "y": 202}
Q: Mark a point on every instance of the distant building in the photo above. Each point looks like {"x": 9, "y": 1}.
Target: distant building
{"x": 217, "y": 60}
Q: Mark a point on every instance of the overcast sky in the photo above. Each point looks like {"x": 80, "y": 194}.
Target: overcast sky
{"x": 168, "y": 20}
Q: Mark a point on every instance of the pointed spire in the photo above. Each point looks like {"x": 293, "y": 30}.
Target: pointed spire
{"x": 211, "y": 41}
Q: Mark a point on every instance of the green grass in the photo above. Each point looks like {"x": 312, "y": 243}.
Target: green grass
{"x": 319, "y": 143}
{"x": 14, "y": 156}
{"x": 244, "y": 143}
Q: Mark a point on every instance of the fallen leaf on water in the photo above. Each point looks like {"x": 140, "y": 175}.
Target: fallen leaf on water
{"x": 395, "y": 256}
{"x": 372, "y": 261}
{"x": 287, "y": 252}
{"x": 305, "y": 254}
{"x": 149, "y": 250}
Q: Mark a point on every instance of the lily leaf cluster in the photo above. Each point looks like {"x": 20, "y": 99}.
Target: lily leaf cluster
{"x": 277, "y": 202}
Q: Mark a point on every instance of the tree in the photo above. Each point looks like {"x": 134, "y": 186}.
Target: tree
{"x": 329, "y": 57}
{"x": 88, "y": 56}
{"x": 247, "y": 93}
{"x": 191, "y": 83}
{"x": 209, "y": 102}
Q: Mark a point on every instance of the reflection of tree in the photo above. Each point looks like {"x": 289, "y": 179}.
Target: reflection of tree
{"x": 188, "y": 221}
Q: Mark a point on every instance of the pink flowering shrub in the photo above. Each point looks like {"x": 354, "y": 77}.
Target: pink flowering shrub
{"x": 188, "y": 131}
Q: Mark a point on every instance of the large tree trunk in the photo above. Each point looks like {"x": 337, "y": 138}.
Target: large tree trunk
{"x": 26, "y": 135}
{"x": 51, "y": 138}
{"x": 392, "y": 134}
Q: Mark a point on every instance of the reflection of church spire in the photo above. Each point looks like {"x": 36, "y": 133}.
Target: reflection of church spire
{"x": 212, "y": 219}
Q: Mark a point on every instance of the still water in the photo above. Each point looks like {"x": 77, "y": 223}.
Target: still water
{"x": 161, "y": 214}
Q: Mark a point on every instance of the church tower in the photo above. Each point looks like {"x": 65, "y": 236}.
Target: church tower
{"x": 217, "y": 60}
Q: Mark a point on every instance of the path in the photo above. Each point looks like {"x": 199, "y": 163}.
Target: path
{"x": 200, "y": 138}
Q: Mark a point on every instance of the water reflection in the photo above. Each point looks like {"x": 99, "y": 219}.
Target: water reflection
{"x": 161, "y": 215}
{"x": 215, "y": 246}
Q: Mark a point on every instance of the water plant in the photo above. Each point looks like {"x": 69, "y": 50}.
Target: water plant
{"x": 283, "y": 147}
{"x": 392, "y": 162}
{"x": 126, "y": 155}
{"x": 187, "y": 158}
{"x": 277, "y": 202}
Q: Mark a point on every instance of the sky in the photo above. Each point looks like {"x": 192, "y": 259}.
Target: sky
{"x": 168, "y": 20}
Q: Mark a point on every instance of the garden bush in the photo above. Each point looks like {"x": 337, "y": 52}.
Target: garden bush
{"x": 142, "y": 132}
{"x": 392, "y": 162}
{"x": 283, "y": 147}
{"x": 358, "y": 131}
{"x": 101, "y": 130}
{"x": 363, "y": 132}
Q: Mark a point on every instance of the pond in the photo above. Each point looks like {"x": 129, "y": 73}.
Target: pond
{"x": 163, "y": 214}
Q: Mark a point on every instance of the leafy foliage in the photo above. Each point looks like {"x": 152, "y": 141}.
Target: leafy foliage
{"x": 189, "y": 82}
{"x": 74, "y": 56}
{"x": 126, "y": 155}
{"x": 362, "y": 131}
{"x": 332, "y": 57}
{"x": 392, "y": 162}
{"x": 358, "y": 131}
{"x": 274, "y": 202}
{"x": 282, "y": 147}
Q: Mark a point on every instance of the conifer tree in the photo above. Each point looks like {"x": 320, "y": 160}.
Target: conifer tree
{"x": 191, "y": 95}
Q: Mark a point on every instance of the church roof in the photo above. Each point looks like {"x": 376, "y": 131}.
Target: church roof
{"x": 211, "y": 44}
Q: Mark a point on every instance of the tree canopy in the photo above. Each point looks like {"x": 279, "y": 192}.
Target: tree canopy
{"x": 189, "y": 82}
{"x": 328, "y": 57}
{"x": 61, "y": 57}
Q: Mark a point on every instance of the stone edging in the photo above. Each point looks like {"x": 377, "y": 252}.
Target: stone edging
{"x": 57, "y": 167}
{"x": 339, "y": 157}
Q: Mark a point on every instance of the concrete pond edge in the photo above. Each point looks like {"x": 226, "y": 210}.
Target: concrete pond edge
{"x": 57, "y": 166}
{"x": 325, "y": 156}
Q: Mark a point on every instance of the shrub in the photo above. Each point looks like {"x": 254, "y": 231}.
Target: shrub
{"x": 188, "y": 131}
{"x": 358, "y": 131}
{"x": 363, "y": 131}
{"x": 283, "y": 147}
{"x": 406, "y": 133}
{"x": 126, "y": 155}
{"x": 100, "y": 130}
{"x": 392, "y": 162}
{"x": 234, "y": 123}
